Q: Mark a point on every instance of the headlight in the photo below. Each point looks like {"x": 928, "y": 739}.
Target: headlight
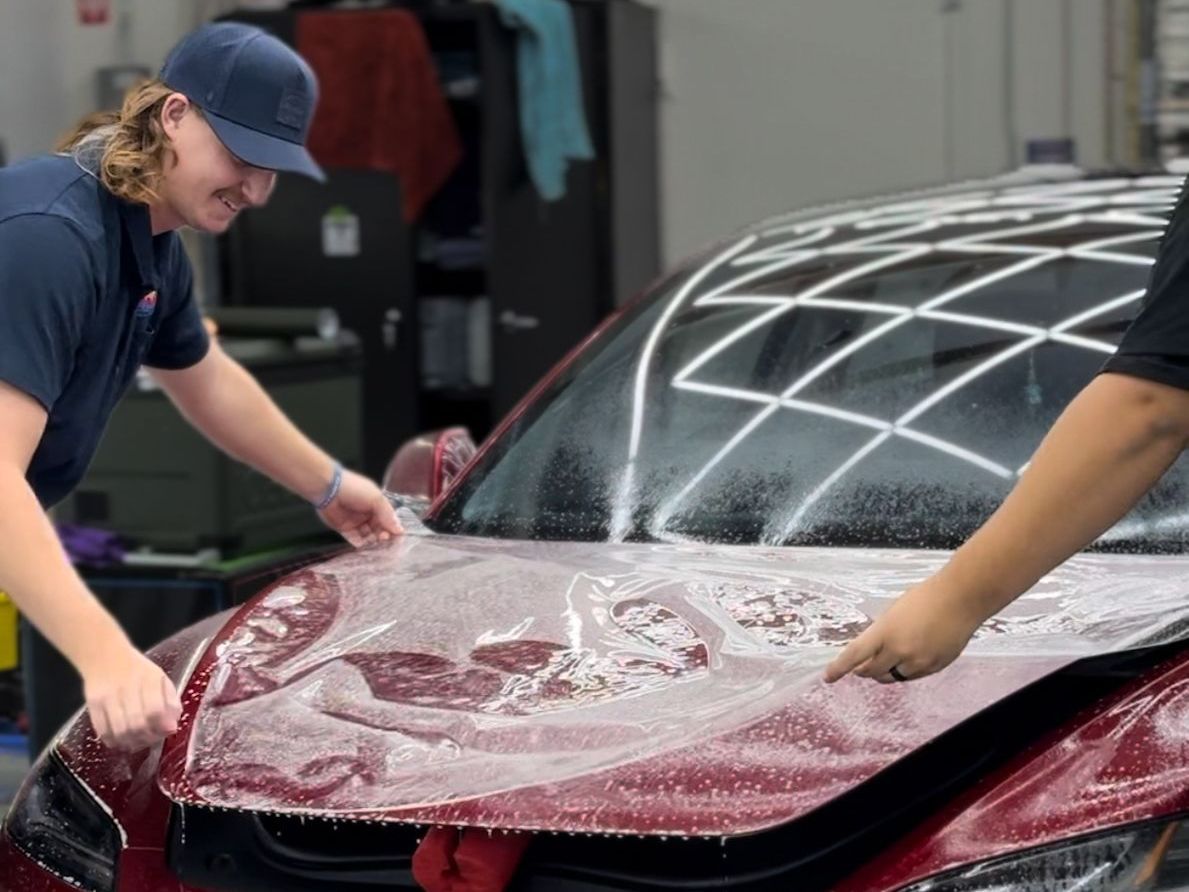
{"x": 1149, "y": 858}
{"x": 61, "y": 826}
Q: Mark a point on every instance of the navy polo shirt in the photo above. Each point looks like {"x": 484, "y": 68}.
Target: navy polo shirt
{"x": 87, "y": 294}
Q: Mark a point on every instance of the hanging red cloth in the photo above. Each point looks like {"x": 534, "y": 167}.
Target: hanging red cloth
{"x": 381, "y": 105}
{"x": 471, "y": 860}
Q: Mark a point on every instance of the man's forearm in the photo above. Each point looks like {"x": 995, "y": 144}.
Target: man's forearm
{"x": 234, "y": 412}
{"x": 1104, "y": 453}
{"x": 37, "y": 575}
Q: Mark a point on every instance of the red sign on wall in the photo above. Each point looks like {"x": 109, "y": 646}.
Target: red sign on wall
{"x": 94, "y": 12}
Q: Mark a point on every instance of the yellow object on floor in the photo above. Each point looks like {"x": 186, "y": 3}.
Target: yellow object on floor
{"x": 9, "y": 654}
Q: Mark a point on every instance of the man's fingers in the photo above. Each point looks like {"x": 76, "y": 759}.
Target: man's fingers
{"x": 879, "y": 665}
{"x": 365, "y": 522}
{"x": 99, "y": 722}
{"x": 385, "y": 518}
{"x": 855, "y": 654}
{"x": 160, "y": 718}
{"x": 117, "y": 726}
{"x": 372, "y": 532}
{"x": 140, "y": 710}
{"x": 131, "y": 700}
{"x": 153, "y": 706}
{"x": 136, "y": 717}
{"x": 172, "y": 699}
{"x": 913, "y": 668}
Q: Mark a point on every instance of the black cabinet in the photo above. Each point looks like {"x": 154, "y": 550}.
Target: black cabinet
{"x": 512, "y": 281}
{"x": 344, "y": 245}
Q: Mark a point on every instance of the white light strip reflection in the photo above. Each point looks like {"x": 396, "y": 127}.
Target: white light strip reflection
{"x": 892, "y": 232}
{"x": 621, "y": 516}
{"x": 666, "y": 511}
{"x": 742, "y": 300}
{"x": 984, "y": 322}
{"x": 1100, "y": 310}
{"x": 654, "y": 337}
{"x": 966, "y": 377}
{"x": 826, "y": 285}
{"x": 984, "y": 242}
{"x": 955, "y": 451}
{"x": 785, "y": 250}
{"x": 1104, "y": 347}
{"x": 937, "y": 396}
{"x": 951, "y": 449}
{"x": 1105, "y": 257}
{"x": 822, "y": 488}
{"x": 1097, "y": 244}
{"x": 859, "y": 306}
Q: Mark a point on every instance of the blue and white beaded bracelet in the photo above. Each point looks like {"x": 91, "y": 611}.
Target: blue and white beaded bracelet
{"x": 336, "y": 481}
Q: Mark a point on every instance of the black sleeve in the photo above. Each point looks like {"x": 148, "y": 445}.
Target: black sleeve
{"x": 1156, "y": 345}
{"x": 181, "y": 339}
{"x": 47, "y": 295}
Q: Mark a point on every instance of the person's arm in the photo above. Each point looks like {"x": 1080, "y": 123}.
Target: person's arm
{"x": 223, "y": 401}
{"x": 130, "y": 700}
{"x": 1109, "y": 447}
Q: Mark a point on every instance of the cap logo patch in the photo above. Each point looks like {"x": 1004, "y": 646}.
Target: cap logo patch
{"x": 292, "y": 109}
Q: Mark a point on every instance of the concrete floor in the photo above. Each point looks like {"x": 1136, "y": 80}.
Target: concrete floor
{"x": 13, "y": 768}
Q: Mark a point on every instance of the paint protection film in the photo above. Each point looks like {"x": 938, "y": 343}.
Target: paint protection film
{"x": 606, "y": 688}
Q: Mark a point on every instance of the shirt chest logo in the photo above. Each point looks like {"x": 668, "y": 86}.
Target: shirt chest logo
{"x": 147, "y": 305}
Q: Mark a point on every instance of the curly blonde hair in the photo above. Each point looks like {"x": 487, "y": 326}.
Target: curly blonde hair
{"x": 132, "y": 143}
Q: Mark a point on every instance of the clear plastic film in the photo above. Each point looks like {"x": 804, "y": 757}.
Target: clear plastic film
{"x": 608, "y": 688}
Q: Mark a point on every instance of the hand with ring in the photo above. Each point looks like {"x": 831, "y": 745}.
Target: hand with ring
{"x": 921, "y": 633}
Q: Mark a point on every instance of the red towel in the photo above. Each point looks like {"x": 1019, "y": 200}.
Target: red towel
{"x": 468, "y": 861}
{"x": 381, "y": 106}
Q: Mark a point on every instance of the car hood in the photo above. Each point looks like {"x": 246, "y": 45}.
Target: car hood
{"x": 606, "y": 688}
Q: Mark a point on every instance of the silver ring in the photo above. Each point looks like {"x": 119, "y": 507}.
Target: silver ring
{"x": 896, "y": 674}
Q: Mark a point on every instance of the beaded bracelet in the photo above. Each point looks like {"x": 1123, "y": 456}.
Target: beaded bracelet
{"x": 333, "y": 490}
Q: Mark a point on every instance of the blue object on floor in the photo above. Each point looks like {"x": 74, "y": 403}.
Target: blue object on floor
{"x": 15, "y": 743}
{"x": 91, "y": 545}
{"x": 552, "y": 114}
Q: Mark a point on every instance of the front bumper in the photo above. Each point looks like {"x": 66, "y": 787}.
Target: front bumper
{"x": 20, "y": 874}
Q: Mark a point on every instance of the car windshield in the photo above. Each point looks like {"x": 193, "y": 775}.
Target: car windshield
{"x": 876, "y": 376}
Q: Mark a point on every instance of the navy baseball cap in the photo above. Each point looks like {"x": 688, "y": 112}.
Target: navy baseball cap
{"x": 257, "y": 94}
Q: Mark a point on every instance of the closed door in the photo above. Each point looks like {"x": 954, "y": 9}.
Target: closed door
{"x": 548, "y": 285}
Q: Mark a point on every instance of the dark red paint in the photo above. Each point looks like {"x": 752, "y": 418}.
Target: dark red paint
{"x": 1123, "y": 761}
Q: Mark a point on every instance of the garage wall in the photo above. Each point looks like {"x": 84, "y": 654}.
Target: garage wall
{"x": 795, "y": 102}
{"x": 30, "y": 80}
{"x": 47, "y": 60}
{"x": 802, "y": 101}
{"x": 767, "y": 104}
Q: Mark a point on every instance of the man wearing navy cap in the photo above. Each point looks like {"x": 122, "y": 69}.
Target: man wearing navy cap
{"x": 94, "y": 284}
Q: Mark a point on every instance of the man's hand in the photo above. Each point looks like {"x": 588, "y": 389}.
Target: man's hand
{"x": 228, "y": 405}
{"x": 921, "y": 633}
{"x": 361, "y": 513}
{"x": 131, "y": 702}
{"x": 1107, "y": 449}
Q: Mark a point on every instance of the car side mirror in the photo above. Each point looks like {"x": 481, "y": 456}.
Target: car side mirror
{"x": 426, "y": 465}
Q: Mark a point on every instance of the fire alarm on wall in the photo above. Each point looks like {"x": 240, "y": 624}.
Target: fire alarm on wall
{"x": 93, "y": 12}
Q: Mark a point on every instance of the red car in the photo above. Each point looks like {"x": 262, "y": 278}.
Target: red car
{"x": 601, "y": 652}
